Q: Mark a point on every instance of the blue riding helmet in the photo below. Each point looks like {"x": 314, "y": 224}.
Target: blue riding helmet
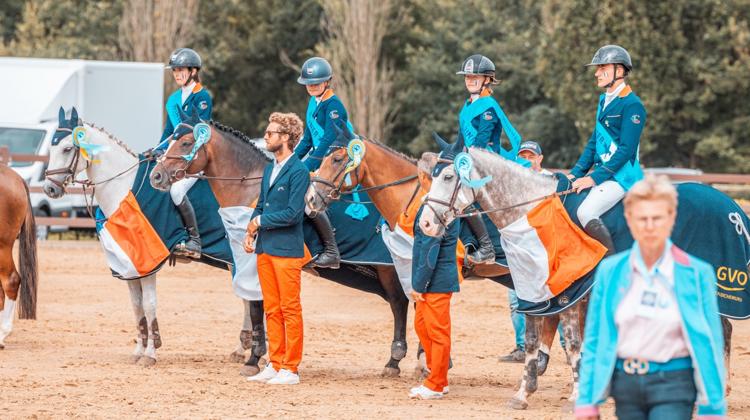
{"x": 315, "y": 70}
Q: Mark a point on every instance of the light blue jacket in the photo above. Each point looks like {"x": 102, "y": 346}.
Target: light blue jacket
{"x": 695, "y": 290}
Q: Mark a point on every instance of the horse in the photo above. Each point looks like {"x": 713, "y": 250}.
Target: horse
{"x": 514, "y": 191}
{"x": 112, "y": 175}
{"x": 391, "y": 180}
{"x": 16, "y": 221}
{"x": 233, "y": 165}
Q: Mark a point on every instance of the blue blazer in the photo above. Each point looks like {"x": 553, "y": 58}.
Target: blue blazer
{"x": 329, "y": 114}
{"x": 433, "y": 266}
{"x": 624, "y": 119}
{"x": 281, "y": 207}
{"x": 199, "y": 98}
{"x": 695, "y": 290}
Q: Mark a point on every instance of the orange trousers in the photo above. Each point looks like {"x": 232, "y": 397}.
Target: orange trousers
{"x": 433, "y": 324}
{"x": 280, "y": 280}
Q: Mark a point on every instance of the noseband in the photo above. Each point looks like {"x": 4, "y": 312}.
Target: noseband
{"x": 451, "y": 209}
{"x": 335, "y": 192}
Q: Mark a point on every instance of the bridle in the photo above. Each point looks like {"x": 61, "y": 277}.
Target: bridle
{"x": 70, "y": 170}
{"x": 451, "y": 209}
{"x": 181, "y": 172}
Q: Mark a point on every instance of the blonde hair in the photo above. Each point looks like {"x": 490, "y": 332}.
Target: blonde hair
{"x": 290, "y": 124}
{"x": 652, "y": 187}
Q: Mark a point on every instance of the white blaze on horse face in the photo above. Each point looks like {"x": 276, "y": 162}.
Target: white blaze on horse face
{"x": 440, "y": 213}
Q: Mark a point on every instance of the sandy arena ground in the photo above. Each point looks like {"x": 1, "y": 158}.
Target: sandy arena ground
{"x": 73, "y": 361}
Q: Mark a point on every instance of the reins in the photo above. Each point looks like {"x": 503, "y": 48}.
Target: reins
{"x": 542, "y": 198}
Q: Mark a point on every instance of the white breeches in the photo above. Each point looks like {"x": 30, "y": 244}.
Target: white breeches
{"x": 601, "y": 198}
{"x": 179, "y": 189}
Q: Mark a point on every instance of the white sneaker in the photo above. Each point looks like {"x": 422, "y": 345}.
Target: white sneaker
{"x": 284, "y": 377}
{"x": 424, "y": 393}
{"x": 265, "y": 375}
{"x": 446, "y": 390}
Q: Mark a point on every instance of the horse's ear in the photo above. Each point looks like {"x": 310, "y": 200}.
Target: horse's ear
{"x": 442, "y": 144}
{"x": 458, "y": 147}
{"x": 74, "y": 117}
{"x": 61, "y": 117}
{"x": 194, "y": 113}
{"x": 349, "y": 133}
{"x": 183, "y": 115}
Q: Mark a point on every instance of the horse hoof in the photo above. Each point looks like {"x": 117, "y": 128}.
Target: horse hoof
{"x": 517, "y": 404}
{"x": 146, "y": 361}
{"x": 389, "y": 372}
{"x": 236, "y": 357}
{"x": 249, "y": 370}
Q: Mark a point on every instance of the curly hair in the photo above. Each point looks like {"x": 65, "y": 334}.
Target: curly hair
{"x": 290, "y": 124}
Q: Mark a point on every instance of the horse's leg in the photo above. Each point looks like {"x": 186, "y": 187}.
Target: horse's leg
{"x": 727, "y": 327}
{"x": 148, "y": 285}
{"x": 10, "y": 281}
{"x": 549, "y": 328}
{"x": 238, "y": 355}
{"x": 257, "y": 338}
{"x": 136, "y": 299}
{"x": 573, "y": 331}
{"x": 399, "y": 307}
{"x": 530, "y": 374}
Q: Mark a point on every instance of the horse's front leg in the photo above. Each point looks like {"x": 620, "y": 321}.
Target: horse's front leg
{"x": 399, "y": 304}
{"x": 148, "y": 285}
{"x": 530, "y": 374}
{"x": 10, "y": 281}
{"x": 727, "y": 328}
{"x": 257, "y": 343}
{"x": 136, "y": 299}
{"x": 573, "y": 332}
{"x": 246, "y": 336}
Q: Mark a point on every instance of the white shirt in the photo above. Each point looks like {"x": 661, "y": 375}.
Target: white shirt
{"x": 274, "y": 173}
{"x": 649, "y": 323}
{"x": 187, "y": 90}
{"x": 610, "y": 96}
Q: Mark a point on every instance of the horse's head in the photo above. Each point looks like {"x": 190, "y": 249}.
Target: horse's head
{"x": 448, "y": 196}
{"x": 64, "y": 156}
{"x": 186, "y": 153}
{"x": 340, "y": 171}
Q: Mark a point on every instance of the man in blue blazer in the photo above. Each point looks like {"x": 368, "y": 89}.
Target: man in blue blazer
{"x": 277, "y": 223}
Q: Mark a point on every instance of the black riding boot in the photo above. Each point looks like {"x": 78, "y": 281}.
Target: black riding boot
{"x": 193, "y": 244}
{"x": 598, "y": 231}
{"x": 485, "y": 252}
{"x": 330, "y": 257}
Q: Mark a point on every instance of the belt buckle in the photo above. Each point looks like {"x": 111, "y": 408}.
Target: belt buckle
{"x": 635, "y": 366}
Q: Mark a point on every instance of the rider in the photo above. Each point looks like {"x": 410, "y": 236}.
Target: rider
{"x": 325, "y": 113}
{"x": 480, "y": 125}
{"x": 185, "y": 64}
{"x": 612, "y": 149}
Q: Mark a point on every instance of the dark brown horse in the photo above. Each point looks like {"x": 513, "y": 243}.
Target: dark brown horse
{"x": 234, "y": 165}
{"x": 16, "y": 221}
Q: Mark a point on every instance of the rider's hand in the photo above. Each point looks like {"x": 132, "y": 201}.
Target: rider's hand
{"x": 249, "y": 243}
{"x": 417, "y": 296}
{"x": 584, "y": 183}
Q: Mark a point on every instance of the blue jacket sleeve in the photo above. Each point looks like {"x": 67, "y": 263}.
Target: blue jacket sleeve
{"x": 597, "y": 310}
{"x": 717, "y": 405}
{"x": 487, "y": 122}
{"x": 295, "y": 209}
{"x": 304, "y": 145}
{"x": 587, "y": 158}
{"x": 336, "y": 116}
{"x": 426, "y": 250}
{"x": 627, "y": 148}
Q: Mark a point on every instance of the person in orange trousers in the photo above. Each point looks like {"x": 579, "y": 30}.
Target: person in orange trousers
{"x": 434, "y": 280}
{"x": 277, "y": 223}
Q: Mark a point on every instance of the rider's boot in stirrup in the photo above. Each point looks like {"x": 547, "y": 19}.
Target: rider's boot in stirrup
{"x": 485, "y": 252}
{"x": 330, "y": 257}
{"x": 597, "y": 230}
{"x": 193, "y": 245}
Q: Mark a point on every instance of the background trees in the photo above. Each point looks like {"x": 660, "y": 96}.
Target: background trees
{"x": 395, "y": 62}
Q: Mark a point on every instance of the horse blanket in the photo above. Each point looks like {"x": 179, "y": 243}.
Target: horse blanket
{"x": 710, "y": 225}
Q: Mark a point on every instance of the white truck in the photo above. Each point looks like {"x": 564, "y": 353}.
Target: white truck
{"x": 123, "y": 97}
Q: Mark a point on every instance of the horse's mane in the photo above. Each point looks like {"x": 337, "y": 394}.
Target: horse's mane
{"x": 243, "y": 139}
{"x": 391, "y": 150}
{"x": 113, "y": 138}
{"x": 506, "y": 171}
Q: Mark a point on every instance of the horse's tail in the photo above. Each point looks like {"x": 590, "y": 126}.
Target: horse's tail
{"x": 28, "y": 264}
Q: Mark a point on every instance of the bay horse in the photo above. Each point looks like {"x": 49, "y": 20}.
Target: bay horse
{"x": 391, "y": 180}
{"x": 112, "y": 175}
{"x": 233, "y": 165}
{"x": 514, "y": 191}
{"x": 16, "y": 221}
